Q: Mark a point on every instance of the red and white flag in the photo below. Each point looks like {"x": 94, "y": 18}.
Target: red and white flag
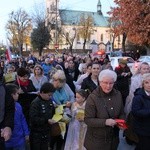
{"x": 8, "y": 54}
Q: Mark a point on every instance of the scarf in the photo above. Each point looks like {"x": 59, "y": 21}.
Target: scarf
{"x": 23, "y": 83}
{"x": 60, "y": 96}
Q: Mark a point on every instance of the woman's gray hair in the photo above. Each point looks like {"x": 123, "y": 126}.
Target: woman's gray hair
{"x": 145, "y": 77}
{"x": 107, "y": 73}
{"x": 59, "y": 74}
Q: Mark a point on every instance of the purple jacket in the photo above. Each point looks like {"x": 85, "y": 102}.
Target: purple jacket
{"x": 20, "y": 128}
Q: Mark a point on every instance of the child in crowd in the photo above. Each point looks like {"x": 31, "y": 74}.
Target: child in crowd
{"x": 20, "y": 132}
{"x": 41, "y": 113}
{"x": 77, "y": 127}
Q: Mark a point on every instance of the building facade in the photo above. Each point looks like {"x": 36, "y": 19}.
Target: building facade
{"x": 66, "y": 26}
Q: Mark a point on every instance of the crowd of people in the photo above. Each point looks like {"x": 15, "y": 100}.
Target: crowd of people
{"x": 92, "y": 95}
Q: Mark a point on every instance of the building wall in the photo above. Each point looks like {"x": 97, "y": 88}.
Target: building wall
{"x": 101, "y": 35}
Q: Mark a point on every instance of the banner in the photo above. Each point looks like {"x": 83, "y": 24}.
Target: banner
{"x": 8, "y": 54}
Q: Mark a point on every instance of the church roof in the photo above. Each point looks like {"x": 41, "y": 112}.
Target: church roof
{"x": 72, "y": 17}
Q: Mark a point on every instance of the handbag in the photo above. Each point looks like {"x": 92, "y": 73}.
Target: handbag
{"x": 55, "y": 129}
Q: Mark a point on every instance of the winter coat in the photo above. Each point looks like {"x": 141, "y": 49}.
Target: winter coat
{"x": 7, "y": 108}
{"x": 99, "y": 107}
{"x": 47, "y": 68}
{"x": 123, "y": 82}
{"x": 20, "y": 128}
{"x": 74, "y": 73}
{"x": 141, "y": 113}
{"x": 26, "y": 98}
{"x": 40, "y": 111}
{"x": 88, "y": 84}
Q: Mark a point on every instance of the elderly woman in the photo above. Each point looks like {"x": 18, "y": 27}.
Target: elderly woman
{"x": 38, "y": 78}
{"x": 103, "y": 106}
{"x": 141, "y": 113}
{"x": 62, "y": 95}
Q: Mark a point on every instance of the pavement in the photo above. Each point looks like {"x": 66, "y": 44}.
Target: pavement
{"x": 123, "y": 144}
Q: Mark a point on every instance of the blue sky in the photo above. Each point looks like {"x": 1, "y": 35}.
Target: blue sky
{"x": 6, "y": 6}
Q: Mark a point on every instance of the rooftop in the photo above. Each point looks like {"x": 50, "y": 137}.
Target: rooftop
{"x": 72, "y": 17}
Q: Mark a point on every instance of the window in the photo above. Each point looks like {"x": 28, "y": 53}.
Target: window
{"x": 110, "y": 37}
{"x": 119, "y": 38}
{"x": 78, "y": 37}
{"x": 48, "y": 10}
{"x": 54, "y": 34}
{"x": 102, "y": 38}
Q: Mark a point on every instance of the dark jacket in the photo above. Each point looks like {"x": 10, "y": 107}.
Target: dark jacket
{"x": 123, "y": 82}
{"x": 26, "y": 98}
{"x": 74, "y": 73}
{"x": 88, "y": 84}
{"x": 9, "y": 109}
{"x": 40, "y": 111}
{"x": 99, "y": 107}
{"x": 141, "y": 113}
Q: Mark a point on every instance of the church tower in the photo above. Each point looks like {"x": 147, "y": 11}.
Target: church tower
{"x": 99, "y": 7}
{"x": 52, "y": 11}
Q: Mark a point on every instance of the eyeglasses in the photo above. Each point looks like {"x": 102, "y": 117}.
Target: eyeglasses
{"x": 107, "y": 83}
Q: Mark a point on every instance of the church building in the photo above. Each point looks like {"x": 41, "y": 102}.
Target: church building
{"x": 67, "y": 28}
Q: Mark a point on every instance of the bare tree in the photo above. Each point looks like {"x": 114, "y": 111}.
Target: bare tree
{"x": 18, "y": 28}
{"x": 69, "y": 35}
{"x": 86, "y": 28}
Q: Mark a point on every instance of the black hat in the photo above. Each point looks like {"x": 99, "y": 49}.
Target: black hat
{"x": 22, "y": 72}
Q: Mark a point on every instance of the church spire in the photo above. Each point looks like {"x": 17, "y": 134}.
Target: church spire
{"x": 99, "y": 6}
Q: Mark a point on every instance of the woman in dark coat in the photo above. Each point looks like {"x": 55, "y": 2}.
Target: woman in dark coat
{"x": 27, "y": 91}
{"x": 141, "y": 114}
{"x": 91, "y": 82}
{"x": 103, "y": 106}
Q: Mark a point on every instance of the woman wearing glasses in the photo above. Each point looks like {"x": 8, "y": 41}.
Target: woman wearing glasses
{"x": 103, "y": 106}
